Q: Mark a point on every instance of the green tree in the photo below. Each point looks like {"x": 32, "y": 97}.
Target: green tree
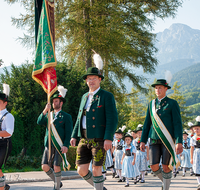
{"x": 124, "y": 111}
{"x": 120, "y": 31}
{"x": 28, "y": 99}
{"x": 178, "y": 96}
{"x": 151, "y": 92}
{"x": 137, "y": 114}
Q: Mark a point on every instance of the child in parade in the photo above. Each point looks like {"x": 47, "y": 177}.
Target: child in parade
{"x": 117, "y": 150}
{"x": 141, "y": 157}
{"x": 129, "y": 170}
{"x": 185, "y": 155}
{"x": 195, "y": 150}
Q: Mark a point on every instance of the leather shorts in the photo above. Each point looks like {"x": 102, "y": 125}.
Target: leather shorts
{"x": 91, "y": 149}
{"x": 5, "y": 150}
{"x": 55, "y": 158}
{"x": 157, "y": 151}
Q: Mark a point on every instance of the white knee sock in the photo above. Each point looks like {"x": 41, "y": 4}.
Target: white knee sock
{"x": 183, "y": 170}
{"x": 113, "y": 171}
{"x": 143, "y": 174}
{"x": 127, "y": 181}
{"x": 120, "y": 174}
{"x": 198, "y": 180}
{"x": 117, "y": 171}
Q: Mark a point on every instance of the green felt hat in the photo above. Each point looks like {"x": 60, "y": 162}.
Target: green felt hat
{"x": 127, "y": 135}
{"x": 58, "y": 96}
{"x": 161, "y": 82}
{"x": 197, "y": 122}
{"x": 4, "y": 97}
{"x": 139, "y": 128}
{"x": 119, "y": 131}
{"x": 93, "y": 71}
{"x": 184, "y": 132}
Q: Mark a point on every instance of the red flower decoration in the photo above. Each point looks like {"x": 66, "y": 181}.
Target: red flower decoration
{"x": 59, "y": 96}
{"x": 127, "y": 149}
{"x": 99, "y": 106}
{"x": 198, "y": 139}
{"x": 118, "y": 140}
{"x": 139, "y": 141}
{"x": 192, "y": 135}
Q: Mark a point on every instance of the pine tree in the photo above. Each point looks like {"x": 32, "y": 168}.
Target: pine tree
{"x": 137, "y": 114}
{"x": 178, "y": 96}
{"x": 120, "y": 31}
{"x": 124, "y": 111}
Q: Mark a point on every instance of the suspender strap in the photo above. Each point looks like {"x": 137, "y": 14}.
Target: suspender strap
{"x": 1, "y": 120}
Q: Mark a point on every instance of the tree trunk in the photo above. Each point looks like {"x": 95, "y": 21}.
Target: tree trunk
{"x": 86, "y": 17}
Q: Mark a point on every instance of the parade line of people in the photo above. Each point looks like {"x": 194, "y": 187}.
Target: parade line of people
{"x": 160, "y": 144}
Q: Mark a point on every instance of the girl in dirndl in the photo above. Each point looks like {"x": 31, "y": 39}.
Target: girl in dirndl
{"x": 129, "y": 170}
{"x": 195, "y": 150}
{"x": 185, "y": 155}
{"x": 141, "y": 157}
{"x": 118, "y": 144}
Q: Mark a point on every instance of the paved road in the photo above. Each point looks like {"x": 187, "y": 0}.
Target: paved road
{"x": 151, "y": 183}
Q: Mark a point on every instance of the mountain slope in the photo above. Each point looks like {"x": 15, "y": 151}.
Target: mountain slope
{"x": 178, "y": 42}
{"x": 188, "y": 77}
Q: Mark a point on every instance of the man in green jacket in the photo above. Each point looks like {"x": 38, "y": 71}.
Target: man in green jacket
{"x": 95, "y": 126}
{"x": 64, "y": 126}
{"x": 163, "y": 126}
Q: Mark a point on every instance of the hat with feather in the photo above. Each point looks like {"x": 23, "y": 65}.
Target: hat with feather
{"x": 197, "y": 122}
{"x": 95, "y": 70}
{"x": 61, "y": 95}
{"x": 6, "y": 92}
{"x": 165, "y": 82}
{"x": 185, "y": 132}
{"x": 139, "y": 128}
{"x": 120, "y": 130}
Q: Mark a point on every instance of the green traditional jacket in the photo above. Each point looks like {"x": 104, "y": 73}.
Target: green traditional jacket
{"x": 63, "y": 125}
{"x": 169, "y": 113}
{"x": 101, "y": 119}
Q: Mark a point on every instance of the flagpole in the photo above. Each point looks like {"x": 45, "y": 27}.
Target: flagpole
{"x": 44, "y": 68}
{"x": 49, "y": 128}
{"x": 50, "y": 10}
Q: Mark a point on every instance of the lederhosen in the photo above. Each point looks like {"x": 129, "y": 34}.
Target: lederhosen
{"x": 156, "y": 147}
{"x": 5, "y": 145}
{"x": 90, "y": 149}
{"x": 55, "y": 158}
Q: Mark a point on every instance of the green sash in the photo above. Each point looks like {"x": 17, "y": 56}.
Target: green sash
{"x": 57, "y": 141}
{"x": 164, "y": 135}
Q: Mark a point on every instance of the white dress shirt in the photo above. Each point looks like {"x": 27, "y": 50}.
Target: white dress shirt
{"x": 8, "y": 122}
{"x": 87, "y": 106}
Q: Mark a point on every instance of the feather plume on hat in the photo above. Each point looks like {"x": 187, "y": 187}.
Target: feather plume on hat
{"x": 6, "y": 89}
{"x": 190, "y": 124}
{"x": 129, "y": 132}
{"x": 198, "y": 118}
{"x": 123, "y": 128}
{"x": 98, "y": 61}
{"x": 62, "y": 91}
{"x": 140, "y": 125}
{"x": 168, "y": 76}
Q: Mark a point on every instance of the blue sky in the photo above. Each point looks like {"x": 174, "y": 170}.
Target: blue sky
{"x": 12, "y": 51}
